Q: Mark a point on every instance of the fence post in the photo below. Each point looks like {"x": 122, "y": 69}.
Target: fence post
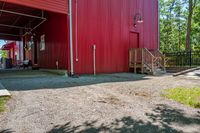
{"x": 190, "y": 58}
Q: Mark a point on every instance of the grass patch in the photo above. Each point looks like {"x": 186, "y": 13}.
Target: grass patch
{"x": 3, "y": 101}
{"x": 187, "y": 96}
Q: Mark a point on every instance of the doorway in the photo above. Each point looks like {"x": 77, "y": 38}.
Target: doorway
{"x": 134, "y": 40}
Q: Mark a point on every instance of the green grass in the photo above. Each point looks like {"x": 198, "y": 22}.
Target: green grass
{"x": 187, "y": 96}
{"x": 3, "y": 101}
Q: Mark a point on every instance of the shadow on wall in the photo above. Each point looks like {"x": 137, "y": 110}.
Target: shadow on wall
{"x": 160, "y": 121}
{"x": 57, "y": 82}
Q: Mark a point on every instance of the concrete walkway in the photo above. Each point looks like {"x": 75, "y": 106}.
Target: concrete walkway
{"x": 3, "y": 91}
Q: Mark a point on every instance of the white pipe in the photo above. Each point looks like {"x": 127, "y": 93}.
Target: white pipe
{"x": 57, "y": 64}
{"x": 158, "y": 24}
{"x": 71, "y": 38}
{"x": 76, "y": 30}
{"x": 94, "y": 59}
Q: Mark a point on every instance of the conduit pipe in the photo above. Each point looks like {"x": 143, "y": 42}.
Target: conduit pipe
{"x": 76, "y": 30}
{"x": 94, "y": 58}
{"x": 71, "y": 38}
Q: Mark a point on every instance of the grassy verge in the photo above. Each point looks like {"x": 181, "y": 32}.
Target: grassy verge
{"x": 187, "y": 96}
{"x": 3, "y": 101}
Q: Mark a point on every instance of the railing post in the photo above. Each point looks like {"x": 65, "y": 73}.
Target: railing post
{"x": 130, "y": 57}
{"x": 135, "y": 61}
{"x": 152, "y": 65}
{"x": 142, "y": 67}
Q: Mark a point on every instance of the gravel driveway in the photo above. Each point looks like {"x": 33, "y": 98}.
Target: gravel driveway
{"x": 116, "y": 103}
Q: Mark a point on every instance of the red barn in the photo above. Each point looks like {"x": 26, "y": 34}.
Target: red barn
{"x": 11, "y": 51}
{"x": 81, "y": 36}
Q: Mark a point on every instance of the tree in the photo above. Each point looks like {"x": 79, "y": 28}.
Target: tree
{"x": 179, "y": 25}
{"x": 192, "y": 4}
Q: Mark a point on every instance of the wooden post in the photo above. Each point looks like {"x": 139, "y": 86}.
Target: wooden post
{"x": 142, "y": 66}
{"x": 135, "y": 61}
{"x": 152, "y": 67}
{"x": 130, "y": 57}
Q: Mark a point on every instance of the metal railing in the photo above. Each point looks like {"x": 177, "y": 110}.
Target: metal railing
{"x": 183, "y": 59}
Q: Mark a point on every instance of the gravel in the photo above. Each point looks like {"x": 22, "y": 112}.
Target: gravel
{"x": 115, "y": 103}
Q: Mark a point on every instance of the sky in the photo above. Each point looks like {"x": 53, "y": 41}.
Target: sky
{"x": 1, "y": 43}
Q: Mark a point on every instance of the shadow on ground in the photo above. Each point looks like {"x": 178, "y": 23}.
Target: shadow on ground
{"x": 6, "y": 131}
{"x": 160, "y": 121}
{"x": 33, "y": 80}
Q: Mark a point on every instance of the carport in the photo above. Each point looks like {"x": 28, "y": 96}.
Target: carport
{"x": 18, "y": 18}
{"x": 26, "y": 21}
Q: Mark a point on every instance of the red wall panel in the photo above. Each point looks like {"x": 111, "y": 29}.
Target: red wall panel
{"x": 59, "y": 6}
{"x": 108, "y": 24}
{"x": 55, "y": 30}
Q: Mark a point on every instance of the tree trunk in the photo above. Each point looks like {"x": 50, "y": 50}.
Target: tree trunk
{"x": 189, "y": 25}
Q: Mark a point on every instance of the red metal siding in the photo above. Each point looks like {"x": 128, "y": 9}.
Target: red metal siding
{"x": 108, "y": 24}
{"x": 56, "y": 41}
{"x": 59, "y": 6}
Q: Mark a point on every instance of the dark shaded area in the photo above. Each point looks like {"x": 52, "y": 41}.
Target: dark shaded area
{"x": 6, "y": 131}
{"x": 162, "y": 114}
{"x": 33, "y": 80}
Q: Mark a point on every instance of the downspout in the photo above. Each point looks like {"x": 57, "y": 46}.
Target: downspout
{"x": 158, "y": 25}
{"x": 71, "y": 38}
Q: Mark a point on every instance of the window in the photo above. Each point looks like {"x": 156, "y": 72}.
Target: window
{"x": 42, "y": 42}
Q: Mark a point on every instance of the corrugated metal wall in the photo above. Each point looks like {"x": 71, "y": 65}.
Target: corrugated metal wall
{"x": 59, "y": 6}
{"x": 108, "y": 24}
{"x": 55, "y": 30}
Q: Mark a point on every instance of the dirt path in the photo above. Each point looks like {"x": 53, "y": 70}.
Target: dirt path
{"x": 115, "y": 103}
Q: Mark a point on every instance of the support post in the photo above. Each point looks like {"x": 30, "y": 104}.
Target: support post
{"x": 135, "y": 61}
{"x": 142, "y": 66}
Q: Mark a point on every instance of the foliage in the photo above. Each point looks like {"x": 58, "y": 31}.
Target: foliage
{"x": 187, "y": 96}
{"x": 174, "y": 24}
{"x": 3, "y": 53}
{"x": 3, "y": 101}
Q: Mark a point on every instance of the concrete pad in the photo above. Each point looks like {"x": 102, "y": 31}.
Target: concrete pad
{"x": 188, "y": 71}
{"x": 3, "y": 91}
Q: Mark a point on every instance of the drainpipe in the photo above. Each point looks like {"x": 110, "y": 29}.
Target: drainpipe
{"x": 158, "y": 25}
{"x": 71, "y": 38}
{"x": 94, "y": 59}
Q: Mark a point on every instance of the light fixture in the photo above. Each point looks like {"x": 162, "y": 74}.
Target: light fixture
{"x": 137, "y": 19}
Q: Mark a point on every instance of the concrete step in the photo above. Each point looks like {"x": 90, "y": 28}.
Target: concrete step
{"x": 3, "y": 91}
{"x": 57, "y": 72}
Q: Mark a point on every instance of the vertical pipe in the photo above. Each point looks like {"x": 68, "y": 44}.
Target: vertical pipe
{"x": 76, "y": 30}
{"x": 158, "y": 24}
{"x": 71, "y": 38}
{"x": 94, "y": 58}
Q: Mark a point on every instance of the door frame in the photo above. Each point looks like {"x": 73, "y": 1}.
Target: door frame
{"x": 138, "y": 34}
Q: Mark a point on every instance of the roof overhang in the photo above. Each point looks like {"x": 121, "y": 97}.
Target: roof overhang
{"x": 17, "y": 21}
{"x": 58, "y": 6}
